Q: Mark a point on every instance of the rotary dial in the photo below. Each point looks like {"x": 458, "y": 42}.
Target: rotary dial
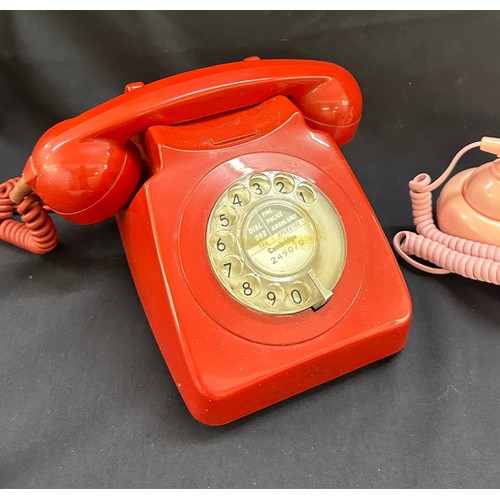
{"x": 276, "y": 243}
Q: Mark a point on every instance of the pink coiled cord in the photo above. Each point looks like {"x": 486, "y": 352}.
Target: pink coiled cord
{"x": 471, "y": 259}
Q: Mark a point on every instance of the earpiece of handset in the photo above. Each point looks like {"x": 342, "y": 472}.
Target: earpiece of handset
{"x": 85, "y": 181}
{"x": 468, "y": 213}
{"x": 334, "y": 107}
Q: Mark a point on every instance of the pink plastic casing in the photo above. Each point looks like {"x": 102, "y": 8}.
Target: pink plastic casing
{"x": 469, "y": 204}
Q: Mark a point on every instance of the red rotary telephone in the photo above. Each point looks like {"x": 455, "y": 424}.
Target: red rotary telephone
{"x": 259, "y": 262}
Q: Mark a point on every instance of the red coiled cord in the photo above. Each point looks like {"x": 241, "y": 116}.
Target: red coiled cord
{"x": 467, "y": 258}
{"x": 37, "y": 233}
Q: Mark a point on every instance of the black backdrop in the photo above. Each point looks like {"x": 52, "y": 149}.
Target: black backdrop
{"x": 86, "y": 400}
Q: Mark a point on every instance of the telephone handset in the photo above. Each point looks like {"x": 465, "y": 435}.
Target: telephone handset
{"x": 259, "y": 262}
{"x": 100, "y": 138}
{"x": 468, "y": 213}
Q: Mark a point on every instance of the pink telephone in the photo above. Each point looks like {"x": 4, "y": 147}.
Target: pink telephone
{"x": 469, "y": 209}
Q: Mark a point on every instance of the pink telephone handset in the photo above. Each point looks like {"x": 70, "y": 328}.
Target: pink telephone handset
{"x": 469, "y": 209}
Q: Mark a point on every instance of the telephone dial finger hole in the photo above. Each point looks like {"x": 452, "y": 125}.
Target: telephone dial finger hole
{"x": 250, "y": 286}
{"x": 284, "y": 183}
{"x": 239, "y": 196}
{"x": 260, "y": 184}
{"x": 231, "y": 266}
{"x": 275, "y": 295}
{"x": 299, "y": 294}
{"x": 225, "y": 217}
{"x": 306, "y": 193}
{"x": 223, "y": 242}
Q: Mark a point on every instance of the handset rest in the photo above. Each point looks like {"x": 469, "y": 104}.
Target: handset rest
{"x": 86, "y": 168}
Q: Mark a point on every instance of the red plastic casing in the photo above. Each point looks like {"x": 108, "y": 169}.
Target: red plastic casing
{"x": 197, "y": 133}
{"x": 227, "y": 360}
{"x": 87, "y": 168}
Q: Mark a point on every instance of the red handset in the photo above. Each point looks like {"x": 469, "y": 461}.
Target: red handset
{"x": 76, "y": 163}
{"x": 259, "y": 262}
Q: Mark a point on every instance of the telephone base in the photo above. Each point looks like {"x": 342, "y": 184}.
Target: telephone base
{"x": 229, "y": 360}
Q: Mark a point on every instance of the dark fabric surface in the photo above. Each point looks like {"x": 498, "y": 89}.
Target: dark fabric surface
{"x": 85, "y": 397}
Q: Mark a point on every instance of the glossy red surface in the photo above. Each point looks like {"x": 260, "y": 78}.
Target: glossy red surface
{"x": 188, "y": 137}
{"x": 226, "y": 359}
{"x": 89, "y": 154}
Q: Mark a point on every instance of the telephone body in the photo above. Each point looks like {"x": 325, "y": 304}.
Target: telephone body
{"x": 466, "y": 240}
{"x": 259, "y": 262}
